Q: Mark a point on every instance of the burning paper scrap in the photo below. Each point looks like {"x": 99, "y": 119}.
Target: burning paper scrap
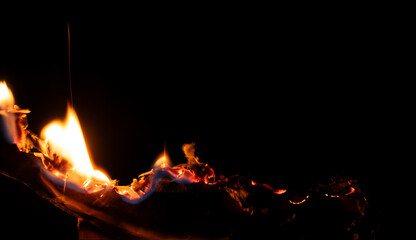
{"x": 59, "y": 158}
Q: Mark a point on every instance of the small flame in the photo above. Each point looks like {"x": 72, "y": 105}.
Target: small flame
{"x": 163, "y": 161}
{"x": 6, "y": 105}
{"x": 6, "y": 96}
{"x": 65, "y": 139}
{"x": 189, "y": 151}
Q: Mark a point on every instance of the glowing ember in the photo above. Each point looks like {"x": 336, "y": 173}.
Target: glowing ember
{"x": 299, "y": 202}
{"x": 65, "y": 139}
{"x": 275, "y": 191}
{"x": 352, "y": 190}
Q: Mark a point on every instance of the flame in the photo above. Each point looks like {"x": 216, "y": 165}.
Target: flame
{"x": 6, "y": 105}
{"x": 6, "y": 96}
{"x": 65, "y": 139}
{"x": 193, "y": 172}
{"x": 163, "y": 161}
{"x": 189, "y": 151}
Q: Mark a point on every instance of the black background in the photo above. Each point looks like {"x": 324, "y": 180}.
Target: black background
{"x": 285, "y": 101}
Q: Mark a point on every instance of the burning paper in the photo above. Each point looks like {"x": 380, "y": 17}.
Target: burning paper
{"x": 57, "y": 165}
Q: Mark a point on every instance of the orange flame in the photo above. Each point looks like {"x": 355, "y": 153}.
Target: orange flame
{"x": 65, "y": 139}
{"x": 6, "y": 105}
{"x": 163, "y": 161}
{"x": 6, "y": 96}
